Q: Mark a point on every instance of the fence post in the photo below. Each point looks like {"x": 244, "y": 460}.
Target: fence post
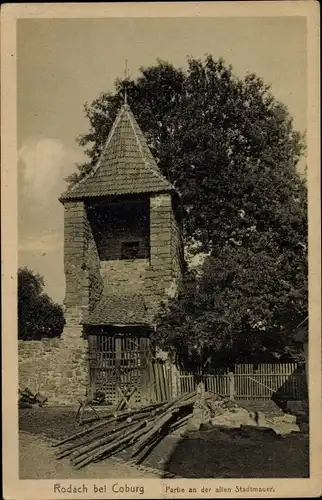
{"x": 174, "y": 380}
{"x": 231, "y": 385}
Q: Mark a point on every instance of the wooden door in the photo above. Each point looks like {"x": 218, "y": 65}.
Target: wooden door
{"x": 119, "y": 364}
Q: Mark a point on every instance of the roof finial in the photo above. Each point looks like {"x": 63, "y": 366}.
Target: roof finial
{"x": 126, "y": 78}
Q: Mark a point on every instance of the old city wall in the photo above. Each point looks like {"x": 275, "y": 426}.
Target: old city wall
{"x": 59, "y": 367}
{"x": 165, "y": 266}
{"x": 84, "y": 284}
{"x": 155, "y": 276}
{"x": 177, "y": 252}
{"x": 49, "y": 366}
{"x": 124, "y": 276}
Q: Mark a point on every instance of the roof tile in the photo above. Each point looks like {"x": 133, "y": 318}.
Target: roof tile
{"x": 126, "y": 165}
{"x": 119, "y": 309}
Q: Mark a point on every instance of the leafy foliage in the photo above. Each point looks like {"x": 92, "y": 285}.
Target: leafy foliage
{"x": 231, "y": 151}
{"x": 240, "y": 308}
{"x": 38, "y": 315}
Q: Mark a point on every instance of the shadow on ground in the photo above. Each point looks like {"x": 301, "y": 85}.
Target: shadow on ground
{"x": 214, "y": 454}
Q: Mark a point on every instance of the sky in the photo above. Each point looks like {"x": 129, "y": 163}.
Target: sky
{"x": 64, "y": 63}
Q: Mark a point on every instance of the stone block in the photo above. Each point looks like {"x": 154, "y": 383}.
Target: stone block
{"x": 55, "y": 343}
{"x": 261, "y": 419}
{"x": 70, "y": 204}
{"x": 234, "y": 417}
{"x": 224, "y": 422}
{"x": 161, "y": 238}
{"x": 49, "y": 387}
{"x": 159, "y": 201}
{"x": 71, "y": 227}
{"x": 160, "y": 218}
{"x": 287, "y": 418}
{"x": 194, "y": 424}
{"x": 160, "y": 263}
{"x": 72, "y": 247}
{"x": 161, "y": 251}
{"x": 72, "y": 333}
{"x": 159, "y": 226}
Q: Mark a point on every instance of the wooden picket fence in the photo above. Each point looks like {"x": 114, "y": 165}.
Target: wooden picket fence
{"x": 161, "y": 380}
{"x": 253, "y": 382}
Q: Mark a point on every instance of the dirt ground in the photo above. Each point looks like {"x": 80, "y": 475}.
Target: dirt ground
{"x": 37, "y": 461}
{"x": 211, "y": 454}
{"x": 215, "y": 454}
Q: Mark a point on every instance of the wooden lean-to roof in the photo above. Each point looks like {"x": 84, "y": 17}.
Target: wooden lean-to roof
{"x": 125, "y": 167}
{"x": 119, "y": 309}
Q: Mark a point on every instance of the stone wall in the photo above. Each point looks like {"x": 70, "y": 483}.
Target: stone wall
{"x": 165, "y": 268}
{"x": 124, "y": 276}
{"x": 177, "y": 253}
{"x": 81, "y": 260}
{"x": 52, "y": 367}
{"x": 94, "y": 283}
{"x": 84, "y": 285}
{"x": 59, "y": 368}
{"x": 87, "y": 277}
{"x": 116, "y": 223}
{"x": 74, "y": 248}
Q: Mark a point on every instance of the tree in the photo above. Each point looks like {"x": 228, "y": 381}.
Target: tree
{"x": 38, "y": 315}
{"x": 231, "y": 151}
{"x": 239, "y": 309}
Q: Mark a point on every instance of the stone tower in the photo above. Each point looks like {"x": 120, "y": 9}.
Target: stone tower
{"x": 123, "y": 256}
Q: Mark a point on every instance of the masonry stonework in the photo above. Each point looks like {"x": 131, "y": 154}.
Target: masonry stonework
{"x": 74, "y": 248}
{"x": 165, "y": 269}
{"x": 51, "y": 367}
{"x": 124, "y": 276}
{"x": 63, "y": 363}
{"x": 126, "y": 200}
{"x": 93, "y": 285}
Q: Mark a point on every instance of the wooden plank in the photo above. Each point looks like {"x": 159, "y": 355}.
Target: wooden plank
{"x": 118, "y": 359}
{"x": 143, "y": 365}
{"x": 162, "y": 382}
{"x": 152, "y": 384}
{"x": 92, "y": 346}
{"x": 157, "y": 382}
{"x": 109, "y": 365}
{"x": 166, "y": 381}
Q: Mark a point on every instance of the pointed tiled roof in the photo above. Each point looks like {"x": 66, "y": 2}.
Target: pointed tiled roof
{"x": 126, "y": 165}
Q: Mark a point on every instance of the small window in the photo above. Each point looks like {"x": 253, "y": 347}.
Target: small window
{"x": 130, "y": 250}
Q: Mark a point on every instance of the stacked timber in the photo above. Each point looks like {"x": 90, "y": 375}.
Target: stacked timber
{"x": 27, "y": 399}
{"x": 139, "y": 430}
